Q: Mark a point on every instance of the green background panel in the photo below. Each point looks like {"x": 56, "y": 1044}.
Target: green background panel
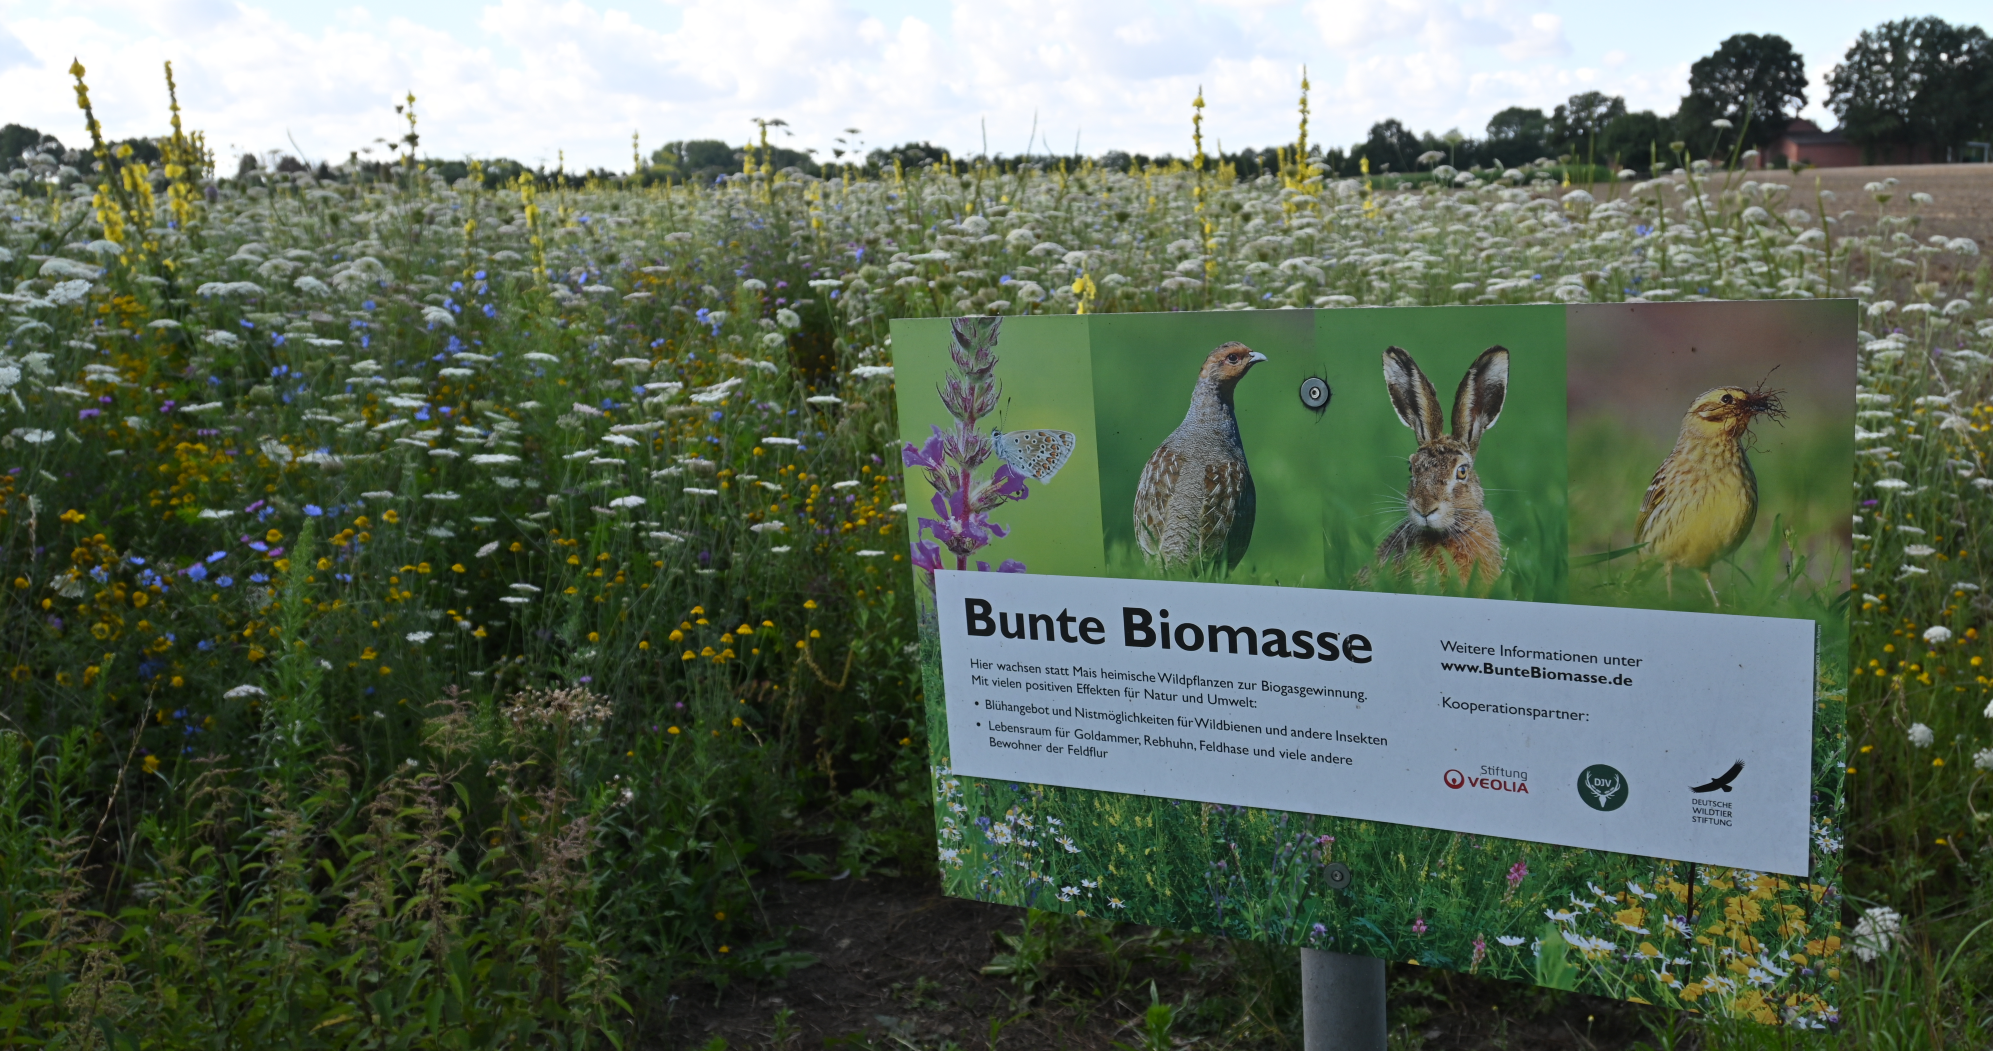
{"x": 1332, "y": 486}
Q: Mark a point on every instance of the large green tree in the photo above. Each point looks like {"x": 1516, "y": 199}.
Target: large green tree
{"x": 1390, "y": 142}
{"x": 1912, "y": 82}
{"x": 1516, "y": 135}
{"x": 1755, "y": 82}
{"x": 16, "y": 139}
{"x": 1575, "y": 126}
{"x": 1635, "y": 140}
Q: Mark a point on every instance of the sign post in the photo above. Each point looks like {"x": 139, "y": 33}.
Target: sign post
{"x": 1342, "y": 1002}
{"x": 1511, "y": 640}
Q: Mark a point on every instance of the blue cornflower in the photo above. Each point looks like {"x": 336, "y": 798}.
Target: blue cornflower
{"x": 216, "y": 557}
{"x": 197, "y": 572}
{"x": 223, "y": 582}
{"x": 313, "y": 510}
{"x": 259, "y": 578}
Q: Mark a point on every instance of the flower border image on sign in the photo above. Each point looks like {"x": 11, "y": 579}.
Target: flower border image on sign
{"x": 1328, "y": 487}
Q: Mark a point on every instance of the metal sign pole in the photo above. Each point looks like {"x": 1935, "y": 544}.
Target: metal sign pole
{"x": 1342, "y": 1002}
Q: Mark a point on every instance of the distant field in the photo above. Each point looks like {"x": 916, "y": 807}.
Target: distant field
{"x": 1963, "y": 193}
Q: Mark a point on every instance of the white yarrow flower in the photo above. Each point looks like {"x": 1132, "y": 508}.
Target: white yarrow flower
{"x": 1921, "y": 735}
{"x": 487, "y": 550}
{"x": 1919, "y": 550}
{"x": 627, "y": 501}
{"x": 769, "y": 527}
{"x": 1878, "y": 931}
{"x": 244, "y": 691}
{"x": 1937, "y": 634}
{"x": 419, "y": 637}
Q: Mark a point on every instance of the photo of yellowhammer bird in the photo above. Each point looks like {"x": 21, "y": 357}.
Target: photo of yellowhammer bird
{"x": 1195, "y": 500}
{"x": 1704, "y": 499}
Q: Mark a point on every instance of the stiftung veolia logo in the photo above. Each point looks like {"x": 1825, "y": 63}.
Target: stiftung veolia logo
{"x": 1602, "y": 787}
{"x": 1454, "y": 779}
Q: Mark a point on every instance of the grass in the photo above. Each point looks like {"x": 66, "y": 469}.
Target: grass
{"x": 417, "y": 639}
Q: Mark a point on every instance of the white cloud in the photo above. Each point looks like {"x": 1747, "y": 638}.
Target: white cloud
{"x": 529, "y": 78}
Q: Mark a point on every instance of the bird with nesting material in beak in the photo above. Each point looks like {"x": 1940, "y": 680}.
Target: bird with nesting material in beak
{"x": 1704, "y": 498}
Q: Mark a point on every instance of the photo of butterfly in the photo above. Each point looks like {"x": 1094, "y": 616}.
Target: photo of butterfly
{"x": 1038, "y": 453}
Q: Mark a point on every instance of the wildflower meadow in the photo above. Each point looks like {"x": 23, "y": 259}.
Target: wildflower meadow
{"x": 432, "y": 605}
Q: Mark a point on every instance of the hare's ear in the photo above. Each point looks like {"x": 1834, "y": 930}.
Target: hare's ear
{"x": 1412, "y": 396}
{"x": 1478, "y": 403}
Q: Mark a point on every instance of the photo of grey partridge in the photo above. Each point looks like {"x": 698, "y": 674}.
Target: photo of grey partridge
{"x": 1195, "y": 501}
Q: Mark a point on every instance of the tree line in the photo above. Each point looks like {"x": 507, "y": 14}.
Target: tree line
{"x": 1911, "y": 89}
{"x": 1915, "y": 88}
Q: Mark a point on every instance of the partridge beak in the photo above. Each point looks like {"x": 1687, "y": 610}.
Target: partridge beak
{"x": 1255, "y": 358}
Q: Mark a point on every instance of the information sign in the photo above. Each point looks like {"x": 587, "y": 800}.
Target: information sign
{"x": 1504, "y": 639}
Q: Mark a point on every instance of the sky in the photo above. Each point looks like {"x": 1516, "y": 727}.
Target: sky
{"x": 550, "y": 81}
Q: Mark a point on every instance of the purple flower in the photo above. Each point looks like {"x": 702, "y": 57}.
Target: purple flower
{"x": 1005, "y": 484}
{"x": 1010, "y": 565}
{"x": 960, "y": 529}
{"x": 928, "y": 455}
{"x": 927, "y": 555}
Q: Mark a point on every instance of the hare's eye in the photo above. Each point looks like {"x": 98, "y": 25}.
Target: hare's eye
{"x": 1460, "y": 472}
{"x": 1727, "y": 399}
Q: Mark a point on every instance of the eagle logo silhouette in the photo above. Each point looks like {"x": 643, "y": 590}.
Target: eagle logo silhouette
{"x": 1722, "y": 780}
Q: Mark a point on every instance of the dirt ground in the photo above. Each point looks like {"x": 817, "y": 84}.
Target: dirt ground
{"x": 900, "y": 967}
{"x": 1963, "y": 194}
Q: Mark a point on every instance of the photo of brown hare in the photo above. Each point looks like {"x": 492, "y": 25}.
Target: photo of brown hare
{"x": 1446, "y": 520}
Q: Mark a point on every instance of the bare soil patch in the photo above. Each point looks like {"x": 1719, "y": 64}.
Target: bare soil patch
{"x": 1963, "y": 194}
{"x": 900, "y": 967}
